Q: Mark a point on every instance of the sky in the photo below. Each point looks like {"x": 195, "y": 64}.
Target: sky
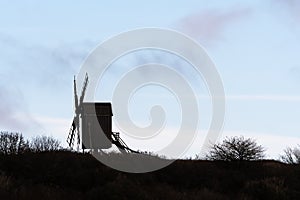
{"x": 254, "y": 45}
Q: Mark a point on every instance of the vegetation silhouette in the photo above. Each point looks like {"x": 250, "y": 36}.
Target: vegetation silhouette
{"x": 291, "y": 155}
{"x": 44, "y": 143}
{"x": 236, "y": 149}
{"x": 62, "y": 174}
{"x": 12, "y": 143}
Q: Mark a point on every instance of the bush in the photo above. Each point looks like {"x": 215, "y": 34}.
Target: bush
{"x": 12, "y": 143}
{"x": 236, "y": 149}
{"x": 44, "y": 143}
{"x": 291, "y": 156}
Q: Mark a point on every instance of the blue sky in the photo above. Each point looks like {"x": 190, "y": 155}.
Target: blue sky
{"x": 254, "y": 44}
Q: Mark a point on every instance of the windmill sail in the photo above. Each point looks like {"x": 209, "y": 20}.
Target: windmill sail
{"x": 75, "y": 127}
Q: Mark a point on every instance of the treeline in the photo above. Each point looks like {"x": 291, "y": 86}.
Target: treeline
{"x": 235, "y": 148}
{"x": 14, "y": 143}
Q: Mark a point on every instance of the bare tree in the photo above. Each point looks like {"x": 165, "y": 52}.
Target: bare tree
{"x": 236, "y": 148}
{"x": 12, "y": 143}
{"x": 291, "y": 156}
{"x": 44, "y": 143}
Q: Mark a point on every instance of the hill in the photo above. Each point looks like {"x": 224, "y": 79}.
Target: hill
{"x": 68, "y": 175}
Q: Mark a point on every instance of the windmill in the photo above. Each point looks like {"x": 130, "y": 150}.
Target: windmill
{"x": 89, "y": 115}
{"x": 75, "y": 127}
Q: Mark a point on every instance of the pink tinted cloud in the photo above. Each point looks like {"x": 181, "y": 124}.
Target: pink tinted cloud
{"x": 208, "y": 26}
{"x": 13, "y": 114}
{"x": 8, "y": 108}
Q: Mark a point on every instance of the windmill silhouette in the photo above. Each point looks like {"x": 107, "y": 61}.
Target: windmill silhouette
{"x": 75, "y": 127}
{"x": 93, "y": 123}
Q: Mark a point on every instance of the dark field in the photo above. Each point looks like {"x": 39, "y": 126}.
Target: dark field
{"x": 67, "y": 175}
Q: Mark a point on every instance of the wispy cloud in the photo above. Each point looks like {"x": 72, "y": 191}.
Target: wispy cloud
{"x": 13, "y": 113}
{"x": 274, "y": 144}
{"x": 254, "y": 97}
{"x": 295, "y": 72}
{"x": 291, "y": 3}
{"x": 263, "y": 97}
{"x": 55, "y": 126}
{"x": 42, "y": 64}
{"x": 30, "y": 73}
{"x": 208, "y": 26}
{"x": 293, "y": 7}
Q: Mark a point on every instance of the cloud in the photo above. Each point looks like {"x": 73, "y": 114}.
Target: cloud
{"x": 31, "y": 73}
{"x": 295, "y": 72}
{"x": 286, "y": 98}
{"x": 13, "y": 113}
{"x": 40, "y": 75}
{"x": 8, "y": 108}
{"x": 292, "y": 6}
{"x": 7, "y": 40}
{"x": 42, "y": 64}
{"x": 208, "y": 26}
{"x": 55, "y": 126}
{"x": 273, "y": 143}
{"x": 256, "y": 97}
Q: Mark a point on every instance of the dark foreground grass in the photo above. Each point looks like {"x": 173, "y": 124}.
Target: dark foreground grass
{"x": 67, "y": 175}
